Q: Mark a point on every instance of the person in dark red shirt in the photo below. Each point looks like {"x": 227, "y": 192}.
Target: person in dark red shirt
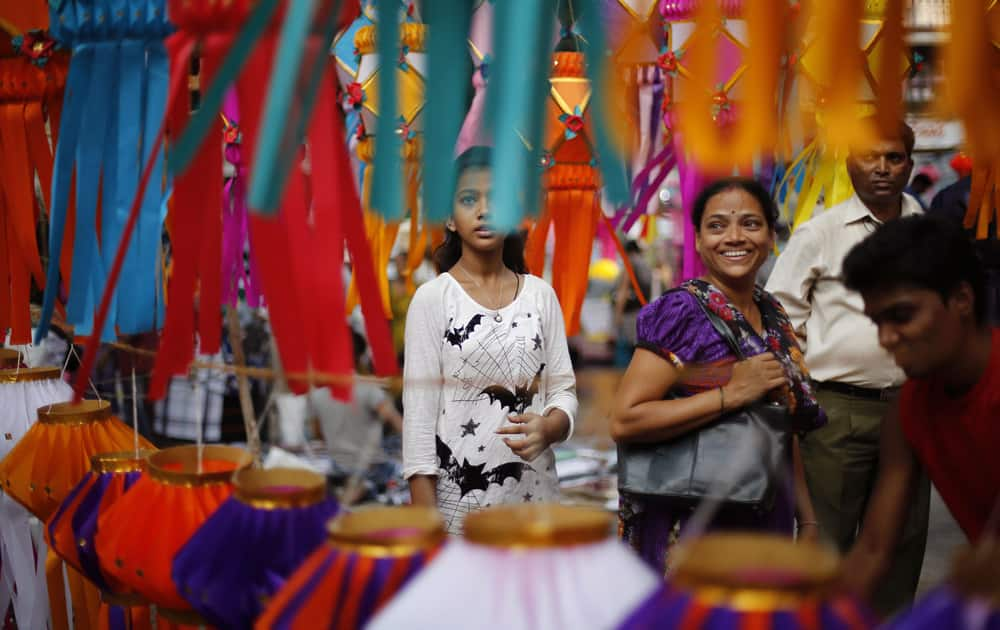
{"x": 924, "y": 288}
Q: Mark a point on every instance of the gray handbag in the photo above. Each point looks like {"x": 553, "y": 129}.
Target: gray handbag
{"x": 686, "y": 468}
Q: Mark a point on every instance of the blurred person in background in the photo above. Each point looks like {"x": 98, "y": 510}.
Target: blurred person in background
{"x": 627, "y": 304}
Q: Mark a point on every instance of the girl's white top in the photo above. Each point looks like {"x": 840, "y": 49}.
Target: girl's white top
{"x": 465, "y": 374}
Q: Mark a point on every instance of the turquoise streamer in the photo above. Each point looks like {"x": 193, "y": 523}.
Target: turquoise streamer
{"x": 516, "y": 105}
{"x": 277, "y": 147}
{"x": 387, "y": 195}
{"x": 206, "y": 118}
{"x": 447, "y": 93}
{"x": 612, "y": 163}
{"x": 127, "y": 147}
{"x": 88, "y": 271}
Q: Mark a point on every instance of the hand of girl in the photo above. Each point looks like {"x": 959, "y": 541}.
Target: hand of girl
{"x": 539, "y": 432}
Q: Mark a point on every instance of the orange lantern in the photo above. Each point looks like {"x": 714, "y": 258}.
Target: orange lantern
{"x": 181, "y": 488}
{"x": 571, "y": 180}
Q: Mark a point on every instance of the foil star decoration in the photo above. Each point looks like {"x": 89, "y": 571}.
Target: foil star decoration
{"x": 36, "y": 45}
{"x": 573, "y": 122}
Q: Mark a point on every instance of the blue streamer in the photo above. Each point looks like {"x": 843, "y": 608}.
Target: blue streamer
{"x": 74, "y": 98}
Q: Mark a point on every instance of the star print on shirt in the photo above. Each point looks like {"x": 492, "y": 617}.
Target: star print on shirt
{"x": 527, "y": 496}
{"x": 481, "y": 448}
{"x": 537, "y": 341}
{"x": 469, "y": 428}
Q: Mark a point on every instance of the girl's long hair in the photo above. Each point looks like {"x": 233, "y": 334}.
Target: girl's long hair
{"x": 448, "y": 253}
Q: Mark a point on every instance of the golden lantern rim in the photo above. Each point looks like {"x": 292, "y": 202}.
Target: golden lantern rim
{"x": 187, "y": 458}
{"x": 369, "y": 530}
{"x": 24, "y": 375}
{"x": 413, "y": 35}
{"x": 119, "y": 461}
{"x": 83, "y": 412}
{"x": 278, "y": 488}
{"x": 537, "y": 525}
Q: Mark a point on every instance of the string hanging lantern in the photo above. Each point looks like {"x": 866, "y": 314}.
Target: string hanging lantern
{"x": 22, "y": 391}
{"x": 245, "y": 551}
{"x": 70, "y": 531}
{"x": 637, "y": 39}
{"x": 44, "y": 467}
{"x": 369, "y": 557}
{"x": 32, "y": 78}
{"x": 547, "y": 564}
{"x": 115, "y": 95}
{"x": 404, "y": 105}
{"x": 728, "y": 581}
{"x": 179, "y": 490}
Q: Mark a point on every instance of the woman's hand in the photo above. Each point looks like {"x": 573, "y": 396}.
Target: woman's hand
{"x": 752, "y": 379}
{"x": 539, "y": 432}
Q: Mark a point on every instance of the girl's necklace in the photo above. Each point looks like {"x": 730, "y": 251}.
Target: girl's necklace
{"x": 496, "y": 310}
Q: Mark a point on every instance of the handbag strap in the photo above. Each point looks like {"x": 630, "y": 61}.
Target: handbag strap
{"x": 721, "y": 327}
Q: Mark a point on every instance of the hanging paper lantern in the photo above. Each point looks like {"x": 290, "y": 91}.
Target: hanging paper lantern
{"x": 22, "y": 392}
{"x": 370, "y": 556}
{"x": 409, "y": 68}
{"x": 70, "y": 532}
{"x": 54, "y": 455}
{"x": 748, "y": 580}
{"x": 181, "y": 488}
{"x": 544, "y": 566}
{"x": 32, "y": 77}
{"x": 116, "y": 94}
{"x": 45, "y": 465}
{"x": 837, "y": 86}
{"x": 571, "y": 181}
{"x": 969, "y": 600}
{"x": 481, "y": 50}
{"x": 638, "y": 40}
{"x": 246, "y": 550}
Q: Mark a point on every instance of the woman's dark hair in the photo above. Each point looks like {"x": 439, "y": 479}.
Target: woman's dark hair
{"x": 448, "y": 252}
{"x": 917, "y": 251}
{"x": 750, "y": 186}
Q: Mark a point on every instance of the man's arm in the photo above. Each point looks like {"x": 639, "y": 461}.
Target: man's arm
{"x": 872, "y": 552}
{"x": 794, "y": 274}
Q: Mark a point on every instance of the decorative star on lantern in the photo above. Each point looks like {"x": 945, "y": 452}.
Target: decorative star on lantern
{"x": 667, "y": 61}
{"x": 36, "y": 45}
{"x": 403, "y": 52}
{"x": 405, "y": 130}
{"x": 231, "y": 131}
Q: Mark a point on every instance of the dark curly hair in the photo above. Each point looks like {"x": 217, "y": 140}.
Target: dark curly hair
{"x": 750, "y": 186}
{"x": 448, "y": 252}
{"x": 917, "y": 251}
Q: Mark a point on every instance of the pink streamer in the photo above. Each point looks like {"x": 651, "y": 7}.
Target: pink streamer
{"x": 682, "y": 10}
{"x": 235, "y": 223}
{"x": 472, "y": 132}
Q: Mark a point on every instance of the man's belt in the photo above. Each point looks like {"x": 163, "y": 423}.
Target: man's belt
{"x": 864, "y": 393}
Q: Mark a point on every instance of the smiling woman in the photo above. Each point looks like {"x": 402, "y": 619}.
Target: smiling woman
{"x": 685, "y": 376}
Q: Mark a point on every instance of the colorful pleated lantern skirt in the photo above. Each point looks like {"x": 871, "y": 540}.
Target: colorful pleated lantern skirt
{"x": 526, "y": 566}
{"x": 22, "y": 392}
{"x": 72, "y": 529}
{"x": 370, "y": 555}
{"x": 732, "y": 581}
{"x": 970, "y": 600}
{"x": 246, "y": 550}
{"x": 54, "y": 455}
{"x": 141, "y": 534}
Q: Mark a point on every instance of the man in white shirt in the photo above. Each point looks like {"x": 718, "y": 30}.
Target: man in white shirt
{"x": 856, "y": 378}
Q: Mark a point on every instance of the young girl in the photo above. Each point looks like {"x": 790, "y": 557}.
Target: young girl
{"x": 488, "y": 382}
